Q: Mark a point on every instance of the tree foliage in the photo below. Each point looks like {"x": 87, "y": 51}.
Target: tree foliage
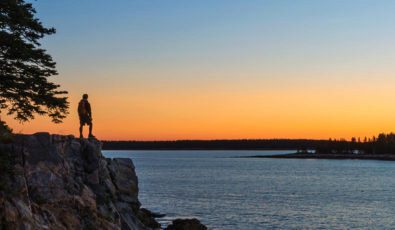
{"x": 25, "y": 67}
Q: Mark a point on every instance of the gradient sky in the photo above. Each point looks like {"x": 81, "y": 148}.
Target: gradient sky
{"x": 221, "y": 69}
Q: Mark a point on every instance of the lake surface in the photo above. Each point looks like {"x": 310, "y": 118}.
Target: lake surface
{"x": 249, "y": 193}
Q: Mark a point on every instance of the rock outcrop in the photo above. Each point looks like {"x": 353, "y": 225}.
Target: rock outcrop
{"x": 60, "y": 182}
{"x": 186, "y": 224}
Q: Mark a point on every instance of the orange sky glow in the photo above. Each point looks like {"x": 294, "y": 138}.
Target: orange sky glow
{"x": 230, "y": 111}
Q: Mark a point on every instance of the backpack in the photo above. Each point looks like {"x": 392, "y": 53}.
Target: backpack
{"x": 82, "y": 108}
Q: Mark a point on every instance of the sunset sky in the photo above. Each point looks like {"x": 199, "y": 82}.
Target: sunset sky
{"x": 221, "y": 69}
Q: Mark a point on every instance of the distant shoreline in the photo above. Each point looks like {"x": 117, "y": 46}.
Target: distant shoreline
{"x": 242, "y": 144}
{"x": 382, "y": 157}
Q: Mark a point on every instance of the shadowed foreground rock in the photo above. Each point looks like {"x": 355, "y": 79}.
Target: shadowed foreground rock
{"x": 186, "y": 224}
{"x": 60, "y": 182}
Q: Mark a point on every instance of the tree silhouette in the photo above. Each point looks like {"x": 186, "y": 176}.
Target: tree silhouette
{"x": 25, "y": 67}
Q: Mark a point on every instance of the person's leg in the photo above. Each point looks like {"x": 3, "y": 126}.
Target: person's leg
{"x": 90, "y": 129}
{"x": 81, "y": 125}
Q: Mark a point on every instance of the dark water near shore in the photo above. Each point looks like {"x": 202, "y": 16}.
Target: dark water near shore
{"x": 249, "y": 193}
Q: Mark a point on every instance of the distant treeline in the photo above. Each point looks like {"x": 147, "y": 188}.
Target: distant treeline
{"x": 382, "y": 144}
{"x": 262, "y": 144}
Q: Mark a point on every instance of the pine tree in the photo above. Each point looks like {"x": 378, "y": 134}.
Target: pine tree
{"x": 25, "y": 67}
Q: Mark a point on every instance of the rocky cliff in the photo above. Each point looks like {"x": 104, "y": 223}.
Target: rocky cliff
{"x": 60, "y": 182}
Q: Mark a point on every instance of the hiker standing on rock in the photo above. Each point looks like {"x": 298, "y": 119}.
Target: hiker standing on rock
{"x": 85, "y": 114}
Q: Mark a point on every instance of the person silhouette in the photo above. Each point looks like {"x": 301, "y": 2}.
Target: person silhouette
{"x": 85, "y": 114}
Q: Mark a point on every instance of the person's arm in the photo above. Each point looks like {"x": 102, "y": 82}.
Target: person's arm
{"x": 88, "y": 108}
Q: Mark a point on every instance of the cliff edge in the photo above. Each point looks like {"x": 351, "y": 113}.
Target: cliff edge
{"x": 60, "y": 182}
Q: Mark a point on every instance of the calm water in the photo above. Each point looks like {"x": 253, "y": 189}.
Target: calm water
{"x": 243, "y": 194}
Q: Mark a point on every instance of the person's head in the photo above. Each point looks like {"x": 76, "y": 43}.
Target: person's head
{"x": 85, "y": 96}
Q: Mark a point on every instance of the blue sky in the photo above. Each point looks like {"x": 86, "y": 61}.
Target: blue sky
{"x": 200, "y": 34}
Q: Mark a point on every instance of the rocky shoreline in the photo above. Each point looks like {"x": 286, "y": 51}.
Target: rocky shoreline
{"x": 383, "y": 157}
{"x": 61, "y": 182}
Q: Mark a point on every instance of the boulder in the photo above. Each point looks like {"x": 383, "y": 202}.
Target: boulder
{"x": 186, "y": 224}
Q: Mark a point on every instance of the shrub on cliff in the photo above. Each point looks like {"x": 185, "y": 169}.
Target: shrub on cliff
{"x": 25, "y": 67}
{"x": 5, "y": 133}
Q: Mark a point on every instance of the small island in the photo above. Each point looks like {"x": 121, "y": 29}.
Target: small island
{"x": 385, "y": 157}
{"x": 381, "y": 147}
